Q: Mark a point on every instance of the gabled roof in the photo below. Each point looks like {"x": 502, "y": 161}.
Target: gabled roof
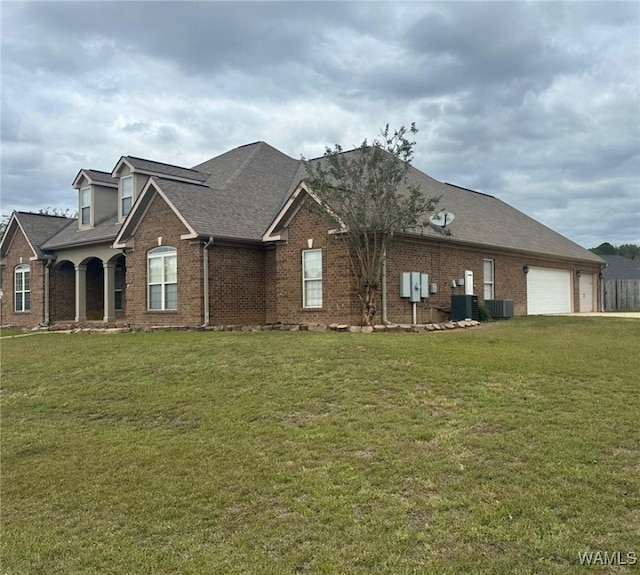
{"x": 480, "y": 220}
{"x": 237, "y": 200}
{"x": 37, "y": 228}
{"x": 248, "y": 191}
{"x": 621, "y": 268}
{"x": 96, "y": 177}
{"x": 152, "y": 168}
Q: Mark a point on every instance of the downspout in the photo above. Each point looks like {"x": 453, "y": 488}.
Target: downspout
{"x": 205, "y": 280}
{"x": 47, "y": 314}
{"x": 385, "y": 319}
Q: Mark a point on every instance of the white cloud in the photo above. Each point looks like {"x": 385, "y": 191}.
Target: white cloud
{"x": 536, "y": 103}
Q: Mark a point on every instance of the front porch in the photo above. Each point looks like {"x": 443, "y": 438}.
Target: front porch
{"x": 91, "y": 290}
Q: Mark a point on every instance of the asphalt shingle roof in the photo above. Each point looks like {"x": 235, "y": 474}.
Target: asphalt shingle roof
{"x": 70, "y": 235}
{"x": 166, "y": 169}
{"x": 481, "y": 219}
{"x": 238, "y": 193}
{"x": 246, "y": 185}
{"x": 40, "y": 227}
{"x": 621, "y": 268}
{"x": 101, "y": 177}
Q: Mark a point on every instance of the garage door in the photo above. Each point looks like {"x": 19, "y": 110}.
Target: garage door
{"x": 548, "y": 291}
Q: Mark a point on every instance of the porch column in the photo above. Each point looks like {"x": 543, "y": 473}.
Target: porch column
{"x": 109, "y": 291}
{"x": 81, "y": 292}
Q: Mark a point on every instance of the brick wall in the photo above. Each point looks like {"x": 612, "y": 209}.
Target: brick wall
{"x": 271, "y": 284}
{"x": 20, "y": 249}
{"x": 442, "y": 260}
{"x": 62, "y": 290}
{"x": 284, "y": 294}
{"x": 160, "y": 221}
{"x": 237, "y": 293}
{"x": 446, "y": 263}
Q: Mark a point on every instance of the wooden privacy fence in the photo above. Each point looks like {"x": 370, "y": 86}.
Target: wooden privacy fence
{"x": 621, "y": 295}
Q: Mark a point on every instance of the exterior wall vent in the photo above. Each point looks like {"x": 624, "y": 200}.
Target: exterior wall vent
{"x": 499, "y": 308}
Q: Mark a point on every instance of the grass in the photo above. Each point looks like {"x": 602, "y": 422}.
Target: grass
{"x": 11, "y": 331}
{"x": 507, "y": 448}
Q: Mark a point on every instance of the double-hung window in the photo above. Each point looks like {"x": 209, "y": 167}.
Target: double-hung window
{"x": 312, "y": 278}
{"x": 23, "y": 288}
{"x": 488, "y": 280}
{"x": 162, "y": 273}
{"x": 85, "y": 206}
{"x": 126, "y": 195}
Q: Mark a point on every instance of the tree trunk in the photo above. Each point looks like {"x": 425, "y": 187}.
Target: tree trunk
{"x": 369, "y": 305}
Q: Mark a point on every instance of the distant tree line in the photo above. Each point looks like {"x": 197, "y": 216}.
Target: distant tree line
{"x": 630, "y": 251}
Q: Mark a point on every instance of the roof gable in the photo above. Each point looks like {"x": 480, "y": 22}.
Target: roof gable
{"x": 97, "y": 177}
{"x": 37, "y": 229}
{"x": 177, "y": 195}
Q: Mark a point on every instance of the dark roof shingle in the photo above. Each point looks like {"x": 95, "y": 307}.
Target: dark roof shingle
{"x": 149, "y": 166}
{"x": 40, "y": 227}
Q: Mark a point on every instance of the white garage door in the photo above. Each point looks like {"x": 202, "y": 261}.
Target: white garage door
{"x": 548, "y": 291}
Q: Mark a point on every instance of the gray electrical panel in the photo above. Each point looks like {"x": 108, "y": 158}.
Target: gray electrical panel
{"x": 414, "y": 285}
{"x": 424, "y": 286}
{"x": 405, "y": 284}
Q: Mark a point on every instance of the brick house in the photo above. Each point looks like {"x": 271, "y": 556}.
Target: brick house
{"x": 233, "y": 241}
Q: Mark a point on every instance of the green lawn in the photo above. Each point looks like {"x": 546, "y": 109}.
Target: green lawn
{"x": 507, "y": 448}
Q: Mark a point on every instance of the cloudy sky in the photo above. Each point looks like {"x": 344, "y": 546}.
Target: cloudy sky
{"x": 536, "y": 103}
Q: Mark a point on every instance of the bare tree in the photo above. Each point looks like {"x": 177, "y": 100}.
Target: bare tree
{"x": 367, "y": 194}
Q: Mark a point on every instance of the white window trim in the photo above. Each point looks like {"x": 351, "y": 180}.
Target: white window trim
{"x": 22, "y": 270}
{"x": 163, "y": 254}
{"x": 122, "y": 196}
{"x": 84, "y": 206}
{"x": 491, "y": 283}
{"x": 306, "y": 280}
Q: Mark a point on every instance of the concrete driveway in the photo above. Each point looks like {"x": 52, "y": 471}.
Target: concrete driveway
{"x": 628, "y": 314}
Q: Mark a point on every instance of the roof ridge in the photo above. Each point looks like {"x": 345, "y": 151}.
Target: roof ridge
{"x": 44, "y": 215}
{"x": 468, "y": 190}
{"x": 251, "y": 144}
{"x": 181, "y": 182}
{"x": 163, "y": 164}
{"x": 240, "y": 168}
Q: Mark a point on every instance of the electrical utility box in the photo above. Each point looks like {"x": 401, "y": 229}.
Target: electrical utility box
{"x": 414, "y": 285}
{"x": 468, "y": 282}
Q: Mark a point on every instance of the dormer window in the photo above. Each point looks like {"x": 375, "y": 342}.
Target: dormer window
{"x": 85, "y": 206}
{"x": 126, "y": 195}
